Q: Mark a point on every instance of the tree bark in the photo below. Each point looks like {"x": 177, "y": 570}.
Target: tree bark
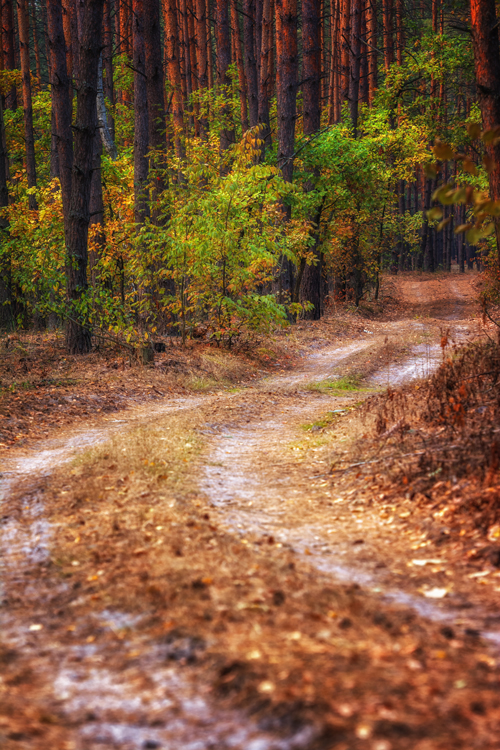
{"x": 287, "y": 65}
{"x": 36, "y": 45}
{"x": 242, "y": 81}
{"x": 311, "y": 75}
{"x": 202, "y": 54}
{"x": 223, "y": 40}
{"x": 141, "y": 120}
{"x": 266, "y": 73}
{"x": 387, "y": 14}
{"x": 61, "y": 105}
{"x": 371, "y": 28}
{"x": 29, "y": 136}
{"x": 346, "y": 50}
{"x": 6, "y": 316}
{"x": 174, "y": 72}
{"x": 78, "y": 334}
{"x": 355, "y": 62}
{"x": 108, "y": 87}
{"x": 155, "y": 100}
{"x": 8, "y": 48}
{"x": 249, "y": 43}
{"x": 487, "y": 71}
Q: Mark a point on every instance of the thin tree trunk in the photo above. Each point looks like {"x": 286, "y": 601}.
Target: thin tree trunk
{"x": 8, "y": 48}
{"x": 355, "y": 62}
{"x": 371, "y": 26}
{"x": 287, "y": 74}
{"x": 78, "y": 335}
{"x": 29, "y": 137}
{"x": 6, "y": 316}
{"x": 387, "y": 13}
{"x": 61, "y": 105}
{"x": 211, "y": 77}
{"x": 202, "y": 53}
{"x": 249, "y": 42}
{"x": 102, "y": 117}
{"x": 242, "y": 82}
{"x": 141, "y": 120}
{"x": 266, "y": 74}
{"x": 108, "y": 89}
{"x": 346, "y": 50}
{"x": 311, "y": 89}
{"x": 36, "y": 45}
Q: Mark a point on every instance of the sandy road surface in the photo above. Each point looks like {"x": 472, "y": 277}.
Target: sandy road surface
{"x": 261, "y": 480}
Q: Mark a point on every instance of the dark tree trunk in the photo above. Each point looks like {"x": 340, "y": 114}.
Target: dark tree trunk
{"x": 107, "y": 59}
{"x": 8, "y": 48}
{"x": 287, "y": 71}
{"x": 311, "y": 75}
{"x": 141, "y": 120}
{"x": 156, "y": 99}
{"x": 61, "y": 105}
{"x": 78, "y": 335}
{"x": 6, "y": 317}
{"x": 356, "y": 62}
{"x": 287, "y": 74}
{"x": 249, "y": 43}
{"x": 36, "y": 44}
{"x": 29, "y": 136}
{"x": 242, "y": 82}
{"x": 487, "y": 70}
{"x": 311, "y": 97}
{"x": 223, "y": 40}
{"x": 346, "y": 50}
{"x": 266, "y": 73}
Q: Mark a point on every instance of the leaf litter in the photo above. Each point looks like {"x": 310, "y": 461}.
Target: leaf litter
{"x": 184, "y": 624}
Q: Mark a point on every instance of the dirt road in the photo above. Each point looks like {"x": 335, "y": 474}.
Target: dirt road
{"x": 236, "y": 594}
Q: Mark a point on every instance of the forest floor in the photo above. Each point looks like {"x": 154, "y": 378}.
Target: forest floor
{"x": 257, "y": 561}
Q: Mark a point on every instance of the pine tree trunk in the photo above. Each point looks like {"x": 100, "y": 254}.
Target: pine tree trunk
{"x": 266, "y": 73}
{"x": 61, "y": 104}
{"x": 371, "y": 27}
{"x": 174, "y": 72}
{"x": 36, "y": 45}
{"x": 141, "y": 119}
{"x": 387, "y": 13}
{"x": 223, "y": 40}
{"x": 346, "y": 50}
{"x": 155, "y": 99}
{"x": 8, "y": 48}
{"x": 202, "y": 53}
{"x": 107, "y": 54}
{"x": 6, "y": 316}
{"x": 29, "y": 137}
{"x": 242, "y": 82}
{"x": 356, "y": 9}
{"x": 78, "y": 335}
{"x": 249, "y": 43}
{"x": 286, "y": 89}
{"x": 287, "y": 64}
{"x": 487, "y": 70}
{"x": 310, "y": 288}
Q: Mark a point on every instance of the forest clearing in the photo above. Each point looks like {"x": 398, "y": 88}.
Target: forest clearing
{"x": 245, "y": 567}
{"x": 249, "y": 374}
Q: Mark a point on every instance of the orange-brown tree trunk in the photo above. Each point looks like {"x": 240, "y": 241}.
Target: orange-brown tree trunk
{"x": 242, "y": 83}
{"x": 174, "y": 71}
{"x": 484, "y": 24}
{"x": 223, "y": 40}
{"x": 29, "y": 137}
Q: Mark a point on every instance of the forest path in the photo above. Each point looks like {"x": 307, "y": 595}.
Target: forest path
{"x": 82, "y": 673}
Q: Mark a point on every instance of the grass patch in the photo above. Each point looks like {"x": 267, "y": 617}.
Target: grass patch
{"x": 325, "y": 421}
{"x": 348, "y": 383}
